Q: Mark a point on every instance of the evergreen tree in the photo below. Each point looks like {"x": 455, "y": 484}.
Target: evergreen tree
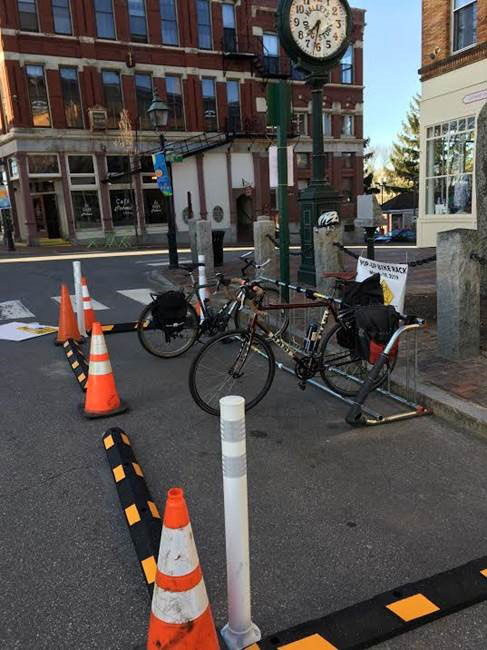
{"x": 404, "y": 161}
{"x": 369, "y": 180}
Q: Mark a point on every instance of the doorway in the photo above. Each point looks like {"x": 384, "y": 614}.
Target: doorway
{"x": 47, "y": 215}
{"x": 245, "y": 219}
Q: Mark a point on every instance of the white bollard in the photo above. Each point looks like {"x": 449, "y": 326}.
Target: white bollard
{"x": 80, "y": 314}
{"x": 239, "y": 632}
{"x": 202, "y": 278}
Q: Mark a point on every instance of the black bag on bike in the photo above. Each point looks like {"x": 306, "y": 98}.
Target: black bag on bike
{"x": 367, "y": 292}
{"x": 375, "y": 325}
{"x": 169, "y": 311}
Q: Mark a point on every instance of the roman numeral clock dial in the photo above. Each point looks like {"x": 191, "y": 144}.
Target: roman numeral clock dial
{"x": 316, "y": 31}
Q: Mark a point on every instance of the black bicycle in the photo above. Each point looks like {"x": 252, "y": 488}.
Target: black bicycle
{"x": 201, "y": 317}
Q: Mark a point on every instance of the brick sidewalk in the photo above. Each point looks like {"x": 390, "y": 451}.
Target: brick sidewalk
{"x": 463, "y": 379}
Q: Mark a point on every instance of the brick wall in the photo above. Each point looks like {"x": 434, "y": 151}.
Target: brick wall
{"x": 437, "y": 54}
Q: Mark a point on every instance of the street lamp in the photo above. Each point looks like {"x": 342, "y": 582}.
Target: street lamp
{"x": 159, "y": 115}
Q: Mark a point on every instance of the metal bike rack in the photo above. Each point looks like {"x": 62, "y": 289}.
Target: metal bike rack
{"x": 359, "y": 414}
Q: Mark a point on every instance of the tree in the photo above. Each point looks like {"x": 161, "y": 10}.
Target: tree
{"x": 403, "y": 167}
{"x": 369, "y": 181}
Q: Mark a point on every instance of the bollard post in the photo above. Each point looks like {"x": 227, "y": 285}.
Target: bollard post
{"x": 264, "y": 248}
{"x": 80, "y": 314}
{"x": 458, "y": 294}
{"x": 328, "y": 257}
{"x": 239, "y": 632}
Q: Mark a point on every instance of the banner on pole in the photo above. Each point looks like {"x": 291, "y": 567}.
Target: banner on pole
{"x": 4, "y": 198}
{"x": 393, "y": 278}
{"x": 162, "y": 174}
{"x": 273, "y": 175}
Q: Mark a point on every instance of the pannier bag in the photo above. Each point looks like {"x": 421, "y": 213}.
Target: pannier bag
{"x": 375, "y": 325}
{"x": 367, "y": 292}
{"x": 169, "y": 311}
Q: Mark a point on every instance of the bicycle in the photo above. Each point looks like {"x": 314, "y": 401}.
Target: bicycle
{"x": 243, "y": 363}
{"x": 209, "y": 321}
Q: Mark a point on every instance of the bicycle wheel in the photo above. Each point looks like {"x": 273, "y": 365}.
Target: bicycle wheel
{"x": 276, "y": 320}
{"x": 233, "y": 363}
{"x": 155, "y": 340}
{"x": 342, "y": 369}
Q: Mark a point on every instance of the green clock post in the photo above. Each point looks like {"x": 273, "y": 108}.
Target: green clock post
{"x": 315, "y": 36}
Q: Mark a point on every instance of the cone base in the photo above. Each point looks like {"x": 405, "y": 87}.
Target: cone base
{"x": 59, "y": 343}
{"x": 91, "y": 415}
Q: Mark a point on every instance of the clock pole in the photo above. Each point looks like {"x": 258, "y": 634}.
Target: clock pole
{"x": 319, "y": 197}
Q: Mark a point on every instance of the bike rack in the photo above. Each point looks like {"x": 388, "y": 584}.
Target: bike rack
{"x": 404, "y": 393}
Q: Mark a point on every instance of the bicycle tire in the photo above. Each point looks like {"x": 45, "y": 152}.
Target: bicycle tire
{"x": 356, "y": 366}
{"x": 276, "y": 321}
{"x": 218, "y": 348}
{"x": 149, "y": 336}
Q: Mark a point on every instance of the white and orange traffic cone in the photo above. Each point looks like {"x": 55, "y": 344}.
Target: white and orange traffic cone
{"x": 102, "y": 398}
{"x": 89, "y": 314}
{"x": 181, "y": 617}
{"x": 68, "y": 327}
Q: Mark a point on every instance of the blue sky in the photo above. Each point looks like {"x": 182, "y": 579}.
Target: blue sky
{"x": 392, "y": 56}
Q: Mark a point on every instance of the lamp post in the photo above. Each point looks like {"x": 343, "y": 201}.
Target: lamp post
{"x": 159, "y": 114}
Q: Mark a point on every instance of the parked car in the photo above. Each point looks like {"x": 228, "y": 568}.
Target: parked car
{"x": 403, "y": 235}
{"x": 379, "y": 237}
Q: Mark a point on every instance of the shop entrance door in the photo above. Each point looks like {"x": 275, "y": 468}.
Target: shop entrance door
{"x": 47, "y": 215}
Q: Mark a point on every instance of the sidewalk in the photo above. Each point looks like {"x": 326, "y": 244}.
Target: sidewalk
{"x": 456, "y": 391}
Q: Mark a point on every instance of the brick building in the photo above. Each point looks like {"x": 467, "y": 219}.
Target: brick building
{"x": 454, "y": 89}
{"x": 70, "y": 68}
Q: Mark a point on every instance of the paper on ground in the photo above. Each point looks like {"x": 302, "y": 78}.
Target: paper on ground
{"x": 18, "y": 331}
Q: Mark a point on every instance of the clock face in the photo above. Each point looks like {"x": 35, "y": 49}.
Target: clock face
{"x": 319, "y": 29}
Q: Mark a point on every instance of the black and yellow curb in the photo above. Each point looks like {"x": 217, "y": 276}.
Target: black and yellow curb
{"x": 139, "y": 510}
{"x": 389, "y": 614}
{"x": 77, "y": 361}
{"x": 121, "y": 328}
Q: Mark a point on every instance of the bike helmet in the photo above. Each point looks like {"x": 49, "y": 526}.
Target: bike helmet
{"x": 328, "y": 220}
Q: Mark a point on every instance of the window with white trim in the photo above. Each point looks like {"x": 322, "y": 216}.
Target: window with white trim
{"x": 169, "y": 22}
{"x": 346, "y": 66}
{"x": 28, "y": 20}
{"x": 450, "y": 153}
{"x": 137, "y": 21}
{"x": 327, "y": 126}
{"x": 83, "y": 184}
{"x": 464, "y": 24}
{"x": 61, "y": 15}
{"x": 204, "y": 24}
{"x": 43, "y": 164}
{"x": 347, "y": 126}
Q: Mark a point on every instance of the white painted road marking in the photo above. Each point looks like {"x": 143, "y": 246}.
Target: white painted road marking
{"x": 139, "y": 295}
{"x": 13, "y": 310}
{"x": 167, "y": 263}
{"x": 97, "y": 306}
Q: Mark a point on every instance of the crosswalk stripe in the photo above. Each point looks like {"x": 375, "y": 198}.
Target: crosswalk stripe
{"x": 139, "y": 295}
{"x": 97, "y": 306}
{"x": 13, "y": 310}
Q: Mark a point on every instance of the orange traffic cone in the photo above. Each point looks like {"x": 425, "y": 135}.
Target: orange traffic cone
{"x": 181, "y": 616}
{"x": 68, "y": 326}
{"x": 87, "y": 306}
{"x": 102, "y": 398}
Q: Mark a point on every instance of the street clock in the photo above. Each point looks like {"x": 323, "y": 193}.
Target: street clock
{"x": 315, "y": 34}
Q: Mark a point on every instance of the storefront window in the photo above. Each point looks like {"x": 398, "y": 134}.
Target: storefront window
{"x": 86, "y": 208}
{"x": 122, "y": 203}
{"x": 81, "y": 170}
{"x": 449, "y": 167}
{"x": 155, "y": 206}
{"x": 117, "y": 165}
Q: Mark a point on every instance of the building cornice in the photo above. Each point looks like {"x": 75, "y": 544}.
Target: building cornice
{"x": 454, "y": 61}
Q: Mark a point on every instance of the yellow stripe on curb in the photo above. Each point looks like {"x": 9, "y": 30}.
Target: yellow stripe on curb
{"x": 138, "y": 469}
{"x": 108, "y": 442}
{"x": 149, "y": 566}
{"x": 154, "y": 510}
{"x": 132, "y": 514}
{"x": 313, "y": 642}
{"x": 409, "y": 609}
{"x": 118, "y": 473}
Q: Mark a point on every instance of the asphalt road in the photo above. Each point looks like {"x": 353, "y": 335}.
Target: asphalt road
{"x": 337, "y": 515}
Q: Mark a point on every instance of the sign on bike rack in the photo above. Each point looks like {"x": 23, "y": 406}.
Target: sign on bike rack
{"x": 390, "y": 383}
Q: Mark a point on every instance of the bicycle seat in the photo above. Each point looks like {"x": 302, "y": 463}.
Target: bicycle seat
{"x": 191, "y": 267}
{"x": 346, "y": 276}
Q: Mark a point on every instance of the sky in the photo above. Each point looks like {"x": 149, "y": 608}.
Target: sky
{"x": 392, "y": 57}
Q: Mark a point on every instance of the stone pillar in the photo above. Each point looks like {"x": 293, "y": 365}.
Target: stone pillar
{"x": 264, "y": 247}
{"x": 481, "y": 188}
{"x": 328, "y": 258}
{"x": 200, "y": 237}
{"x": 458, "y": 294}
